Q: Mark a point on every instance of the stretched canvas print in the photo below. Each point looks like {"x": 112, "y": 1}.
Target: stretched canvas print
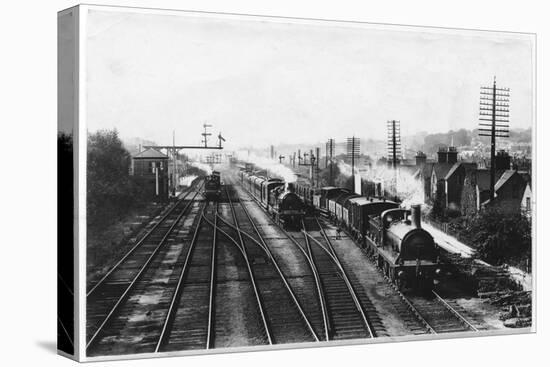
{"x": 236, "y": 183}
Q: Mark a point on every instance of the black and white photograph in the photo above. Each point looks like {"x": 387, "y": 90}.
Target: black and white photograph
{"x": 254, "y": 183}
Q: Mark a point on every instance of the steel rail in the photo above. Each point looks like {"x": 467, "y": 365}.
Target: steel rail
{"x": 138, "y": 244}
{"x": 212, "y": 295}
{"x": 322, "y": 297}
{"x": 346, "y": 280}
{"x": 251, "y": 273}
{"x": 141, "y": 271}
{"x": 408, "y": 303}
{"x": 454, "y": 312}
{"x": 272, "y": 258}
{"x": 289, "y": 288}
{"x": 311, "y": 265}
{"x": 177, "y": 293}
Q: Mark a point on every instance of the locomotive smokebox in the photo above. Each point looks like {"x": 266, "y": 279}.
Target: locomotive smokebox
{"x": 416, "y": 215}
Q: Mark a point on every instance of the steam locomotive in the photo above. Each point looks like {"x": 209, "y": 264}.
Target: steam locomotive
{"x": 405, "y": 252}
{"x": 277, "y": 197}
{"x": 212, "y": 186}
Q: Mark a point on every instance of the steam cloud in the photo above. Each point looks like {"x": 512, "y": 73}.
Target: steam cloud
{"x": 186, "y": 180}
{"x": 272, "y": 166}
{"x": 205, "y": 167}
{"x": 398, "y": 183}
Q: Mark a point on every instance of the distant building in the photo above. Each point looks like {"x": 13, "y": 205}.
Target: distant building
{"x": 509, "y": 192}
{"x": 150, "y": 170}
{"x": 527, "y": 201}
{"x": 476, "y": 190}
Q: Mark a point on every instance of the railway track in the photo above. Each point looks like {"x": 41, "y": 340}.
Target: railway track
{"x": 439, "y": 315}
{"x": 430, "y": 314}
{"x": 145, "y": 272}
{"x": 293, "y": 263}
{"x": 343, "y": 316}
{"x": 284, "y": 316}
{"x": 190, "y": 321}
{"x": 349, "y": 318}
{"x": 370, "y": 313}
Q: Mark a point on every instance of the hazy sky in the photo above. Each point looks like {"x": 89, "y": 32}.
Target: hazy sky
{"x": 271, "y": 81}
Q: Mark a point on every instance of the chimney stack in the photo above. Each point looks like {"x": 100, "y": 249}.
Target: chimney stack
{"x": 452, "y": 155}
{"x": 416, "y": 216}
{"x": 420, "y": 159}
{"x": 442, "y": 155}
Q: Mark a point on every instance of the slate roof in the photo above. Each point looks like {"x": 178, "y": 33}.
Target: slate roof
{"x": 467, "y": 166}
{"x": 441, "y": 169}
{"x": 483, "y": 179}
{"x": 504, "y": 178}
{"x": 150, "y": 154}
{"x": 427, "y": 170}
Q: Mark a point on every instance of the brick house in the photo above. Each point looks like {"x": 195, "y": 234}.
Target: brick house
{"x": 509, "y": 192}
{"x": 475, "y": 191}
{"x": 149, "y": 169}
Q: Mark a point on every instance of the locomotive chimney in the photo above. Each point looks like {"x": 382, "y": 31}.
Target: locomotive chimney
{"x": 290, "y": 186}
{"x": 416, "y": 215}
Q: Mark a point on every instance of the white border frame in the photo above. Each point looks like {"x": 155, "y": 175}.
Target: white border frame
{"x": 81, "y": 143}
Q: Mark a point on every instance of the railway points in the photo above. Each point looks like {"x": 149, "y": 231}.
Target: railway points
{"x": 220, "y": 268}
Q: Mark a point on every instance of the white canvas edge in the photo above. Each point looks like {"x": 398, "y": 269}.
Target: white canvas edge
{"x": 81, "y": 143}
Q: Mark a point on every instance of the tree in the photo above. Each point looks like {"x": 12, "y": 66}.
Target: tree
{"x": 500, "y": 238}
{"x": 324, "y": 174}
{"x": 110, "y": 193}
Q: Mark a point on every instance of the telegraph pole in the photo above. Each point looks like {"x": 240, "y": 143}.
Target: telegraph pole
{"x": 318, "y": 155}
{"x": 329, "y": 155}
{"x": 494, "y": 107}
{"x": 354, "y": 147}
{"x": 394, "y": 141}
{"x": 174, "y": 156}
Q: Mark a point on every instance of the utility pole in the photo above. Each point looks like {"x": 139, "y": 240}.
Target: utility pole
{"x": 394, "y": 142}
{"x": 329, "y": 155}
{"x": 318, "y": 155}
{"x": 353, "y": 148}
{"x": 281, "y": 157}
{"x": 494, "y": 107}
{"x": 175, "y": 165}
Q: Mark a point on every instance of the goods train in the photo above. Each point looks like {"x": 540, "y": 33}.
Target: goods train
{"x": 405, "y": 252}
{"x": 212, "y": 186}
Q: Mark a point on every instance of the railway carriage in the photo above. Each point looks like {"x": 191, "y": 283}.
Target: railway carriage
{"x": 341, "y": 212}
{"x": 362, "y": 209}
{"x": 325, "y": 194}
{"x": 333, "y": 200}
{"x": 267, "y": 188}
